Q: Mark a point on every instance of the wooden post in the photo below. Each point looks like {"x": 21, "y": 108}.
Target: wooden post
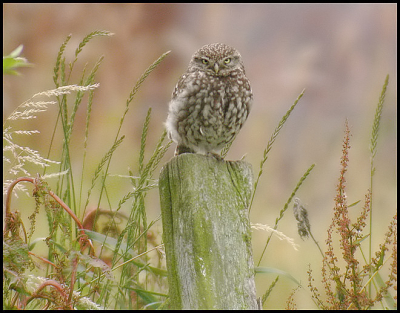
{"x": 206, "y": 233}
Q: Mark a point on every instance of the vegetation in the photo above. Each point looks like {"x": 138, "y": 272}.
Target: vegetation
{"x": 99, "y": 256}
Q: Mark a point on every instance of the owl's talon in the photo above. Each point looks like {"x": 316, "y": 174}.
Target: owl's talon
{"x": 182, "y": 149}
{"x": 215, "y": 155}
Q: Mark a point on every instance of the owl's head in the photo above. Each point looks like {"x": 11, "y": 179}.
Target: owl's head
{"x": 216, "y": 59}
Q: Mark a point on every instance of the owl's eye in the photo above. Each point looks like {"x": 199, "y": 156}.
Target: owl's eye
{"x": 227, "y": 60}
{"x": 205, "y": 61}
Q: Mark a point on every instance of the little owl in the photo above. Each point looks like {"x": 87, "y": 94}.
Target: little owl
{"x": 210, "y": 102}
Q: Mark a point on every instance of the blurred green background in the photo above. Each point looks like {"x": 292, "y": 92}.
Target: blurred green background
{"x": 340, "y": 53}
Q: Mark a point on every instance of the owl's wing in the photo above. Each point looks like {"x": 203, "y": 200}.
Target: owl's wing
{"x": 180, "y": 86}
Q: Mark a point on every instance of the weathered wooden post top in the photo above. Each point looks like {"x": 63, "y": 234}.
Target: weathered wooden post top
{"x": 206, "y": 233}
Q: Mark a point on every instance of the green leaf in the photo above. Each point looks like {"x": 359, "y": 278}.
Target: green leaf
{"x": 17, "y": 51}
{"x": 271, "y": 270}
{"x": 13, "y": 61}
{"x": 111, "y": 243}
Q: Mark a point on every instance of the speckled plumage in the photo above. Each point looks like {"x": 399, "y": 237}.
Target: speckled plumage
{"x": 211, "y": 101}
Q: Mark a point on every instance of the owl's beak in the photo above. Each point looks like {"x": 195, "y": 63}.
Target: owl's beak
{"x": 216, "y": 68}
